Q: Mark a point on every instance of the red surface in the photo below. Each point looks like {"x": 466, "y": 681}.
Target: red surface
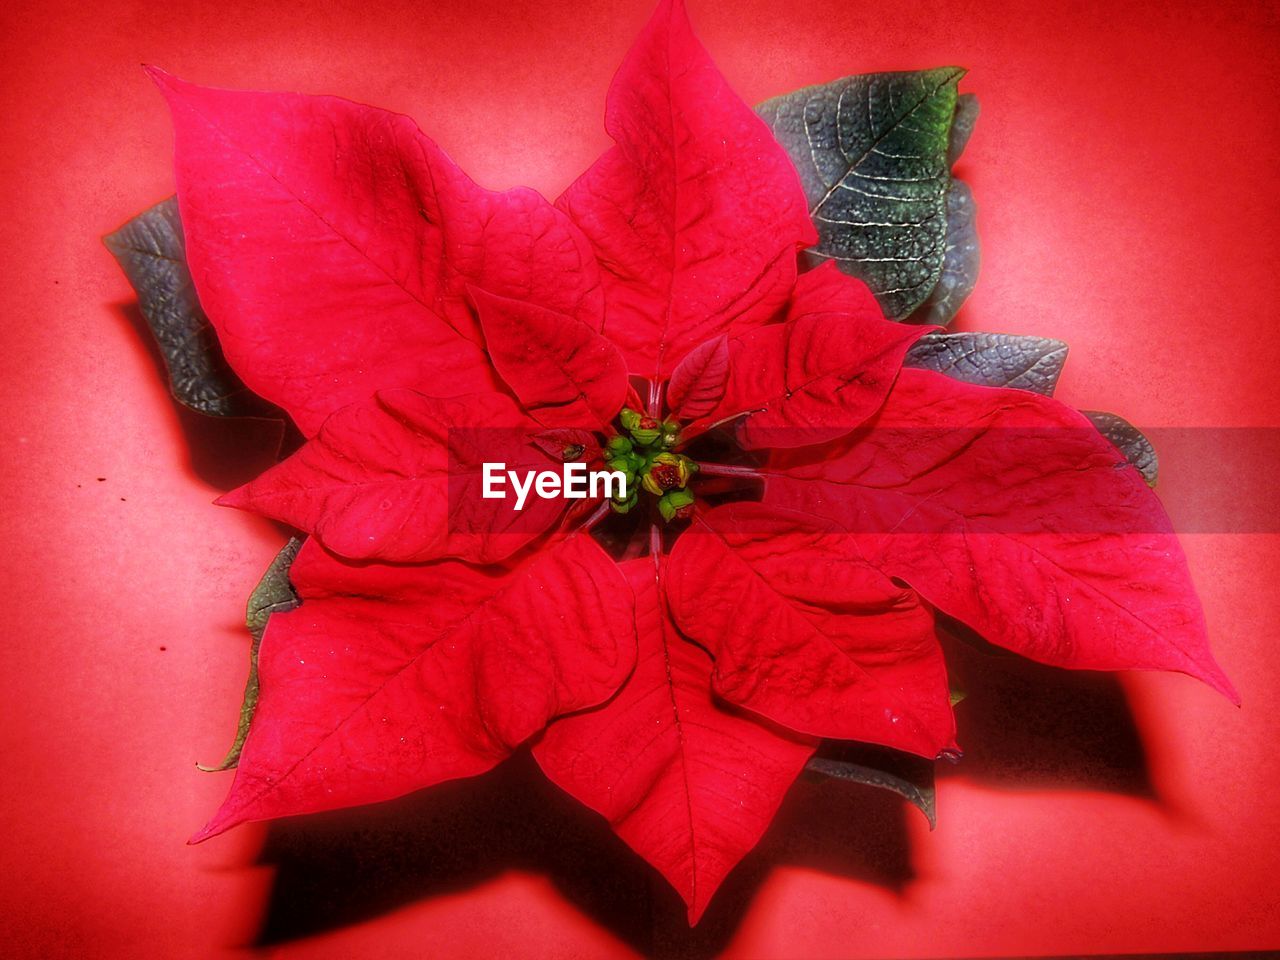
{"x": 1123, "y": 166}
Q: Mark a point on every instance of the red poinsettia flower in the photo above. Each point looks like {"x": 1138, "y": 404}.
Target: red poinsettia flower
{"x": 416, "y": 327}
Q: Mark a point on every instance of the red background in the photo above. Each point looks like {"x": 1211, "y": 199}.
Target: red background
{"x": 1125, "y": 168}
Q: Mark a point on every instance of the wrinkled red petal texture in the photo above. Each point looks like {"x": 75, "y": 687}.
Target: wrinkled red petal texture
{"x": 1008, "y": 511}
{"x": 330, "y": 244}
{"x": 562, "y": 370}
{"x": 399, "y": 478}
{"x": 699, "y": 381}
{"x": 697, "y": 214}
{"x": 388, "y": 679}
{"x": 820, "y": 374}
{"x": 688, "y": 782}
{"x": 828, "y": 289}
{"x": 807, "y": 634}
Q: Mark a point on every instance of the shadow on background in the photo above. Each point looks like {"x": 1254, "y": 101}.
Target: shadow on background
{"x": 348, "y": 866}
{"x": 223, "y": 452}
{"x": 1025, "y": 726}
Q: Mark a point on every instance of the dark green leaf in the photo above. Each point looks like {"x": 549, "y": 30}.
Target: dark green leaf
{"x": 150, "y": 250}
{"x": 960, "y": 260}
{"x": 962, "y": 126}
{"x": 962, "y": 257}
{"x": 872, "y": 152}
{"x": 273, "y": 594}
{"x": 1129, "y": 440}
{"x": 992, "y": 359}
{"x": 909, "y": 776}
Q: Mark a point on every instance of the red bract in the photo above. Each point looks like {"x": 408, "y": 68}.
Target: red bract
{"x": 697, "y": 214}
{"x": 689, "y": 782}
{"x": 416, "y": 327}
{"x": 1008, "y": 511}
{"x": 819, "y": 373}
{"x": 806, "y": 633}
{"x": 397, "y": 677}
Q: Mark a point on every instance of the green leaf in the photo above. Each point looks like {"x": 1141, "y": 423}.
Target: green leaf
{"x": 151, "y": 251}
{"x": 273, "y": 594}
{"x": 908, "y": 776}
{"x": 1129, "y": 440}
{"x": 873, "y": 156}
{"x": 960, "y": 262}
{"x": 962, "y": 257}
{"x": 966, "y": 119}
{"x": 992, "y": 359}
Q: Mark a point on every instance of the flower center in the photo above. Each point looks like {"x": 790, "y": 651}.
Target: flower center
{"x": 644, "y": 452}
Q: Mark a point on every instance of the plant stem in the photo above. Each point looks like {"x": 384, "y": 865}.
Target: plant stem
{"x": 597, "y": 515}
{"x": 728, "y": 470}
{"x": 655, "y": 398}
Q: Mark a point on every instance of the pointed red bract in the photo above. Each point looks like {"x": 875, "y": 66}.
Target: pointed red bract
{"x": 698, "y": 383}
{"x": 1008, "y": 511}
{"x": 818, "y": 375}
{"x": 387, "y": 679}
{"x": 331, "y": 243}
{"x": 562, "y": 371}
{"x": 697, "y": 214}
{"x": 400, "y": 478}
{"x": 806, "y": 633}
{"x": 688, "y": 782}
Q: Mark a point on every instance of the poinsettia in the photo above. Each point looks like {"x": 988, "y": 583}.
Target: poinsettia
{"x": 799, "y": 504}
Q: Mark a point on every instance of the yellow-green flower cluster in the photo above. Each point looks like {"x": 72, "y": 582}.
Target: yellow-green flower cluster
{"x": 645, "y": 455}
